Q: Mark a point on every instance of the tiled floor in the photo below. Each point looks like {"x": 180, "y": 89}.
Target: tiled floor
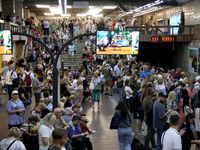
{"x": 99, "y": 120}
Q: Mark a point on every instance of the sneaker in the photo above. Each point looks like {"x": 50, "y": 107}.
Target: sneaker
{"x": 140, "y": 133}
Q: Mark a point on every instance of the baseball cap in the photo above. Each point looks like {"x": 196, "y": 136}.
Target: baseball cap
{"x": 197, "y": 78}
{"x": 14, "y": 92}
{"x": 107, "y": 64}
{"x": 162, "y": 94}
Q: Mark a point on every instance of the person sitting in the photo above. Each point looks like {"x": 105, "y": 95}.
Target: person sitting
{"x": 48, "y": 103}
{"x": 60, "y": 123}
{"x": 79, "y": 140}
{"x": 12, "y": 141}
{"x": 31, "y": 141}
{"x": 68, "y": 115}
{"x": 60, "y": 139}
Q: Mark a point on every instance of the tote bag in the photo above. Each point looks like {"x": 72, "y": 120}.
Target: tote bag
{"x": 91, "y": 86}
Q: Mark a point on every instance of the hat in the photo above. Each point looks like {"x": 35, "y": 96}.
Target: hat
{"x": 107, "y": 64}
{"x": 14, "y": 92}
{"x": 197, "y": 78}
{"x": 162, "y": 95}
{"x": 98, "y": 66}
{"x": 68, "y": 111}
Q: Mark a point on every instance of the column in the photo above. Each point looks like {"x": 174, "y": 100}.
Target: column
{"x": 26, "y": 13}
{"x": 19, "y": 10}
{"x": 8, "y": 6}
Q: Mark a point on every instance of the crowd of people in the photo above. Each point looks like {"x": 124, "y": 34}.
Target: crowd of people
{"x": 167, "y": 101}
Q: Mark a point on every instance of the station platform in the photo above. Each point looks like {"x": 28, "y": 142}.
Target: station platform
{"x": 99, "y": 120}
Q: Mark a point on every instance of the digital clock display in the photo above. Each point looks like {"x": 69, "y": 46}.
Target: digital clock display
{"x": 163, "y": 39}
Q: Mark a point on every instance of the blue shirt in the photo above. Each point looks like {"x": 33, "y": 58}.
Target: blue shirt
{"x": 14, "y": 119}
{"x": 117, "y": 70}
{"x": 4, "y": 71}
{"x": 71, "y": 48}
{"x": 73, "y": 130}
{"x": 144, "y": 74}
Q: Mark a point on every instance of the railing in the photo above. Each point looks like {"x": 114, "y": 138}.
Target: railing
{"x": 163, "y": 30}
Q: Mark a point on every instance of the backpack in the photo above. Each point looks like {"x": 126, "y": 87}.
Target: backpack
{"x": 115, "y": 122}
{"x": 28, "y": 79}
{"x": 15, "y": 81}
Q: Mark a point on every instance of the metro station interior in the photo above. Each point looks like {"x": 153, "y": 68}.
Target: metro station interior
{"x": 169, "y": 37}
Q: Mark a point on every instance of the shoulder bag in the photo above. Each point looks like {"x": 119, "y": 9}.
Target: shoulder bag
{"x": 91, "y": 86}
{"x": 10, "y": 144}
{"x": 115, "y": 122}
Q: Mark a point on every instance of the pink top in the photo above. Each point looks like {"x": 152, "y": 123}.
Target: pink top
{"x": 190, "y": 94}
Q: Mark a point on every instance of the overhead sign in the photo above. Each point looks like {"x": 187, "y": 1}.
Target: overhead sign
{"x": 81, "y": 4}
{"x": 168, "y": 39}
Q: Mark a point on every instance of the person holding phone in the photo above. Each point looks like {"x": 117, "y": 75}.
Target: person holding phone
{"x": 15, "y": 109}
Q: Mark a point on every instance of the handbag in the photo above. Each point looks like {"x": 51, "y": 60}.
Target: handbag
{"x": 27, "y": 102}
{"x": 91, "y": 86}
{"x": 115, "y": 122}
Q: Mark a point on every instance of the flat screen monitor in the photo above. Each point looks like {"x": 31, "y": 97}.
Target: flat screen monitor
{"x": 5, "y": 42}
{"x": 175, "y": 20}
{"x": 117, "y": 42}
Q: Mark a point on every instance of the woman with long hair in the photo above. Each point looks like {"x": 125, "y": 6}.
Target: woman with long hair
{"x": 128, "y": 93}
{"x": 126, "y": 126}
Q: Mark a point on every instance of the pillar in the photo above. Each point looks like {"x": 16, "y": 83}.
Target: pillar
{"x": 0, "y": 5}
{"x": 26, "y": 13}
{"x": 19, "y": 10}
{"x": 8, "y": 6}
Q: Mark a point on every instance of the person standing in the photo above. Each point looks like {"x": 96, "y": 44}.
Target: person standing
{"x": 126, "y": 126}
{"x": 160, "y": 117}
{"x": 11, "y": 74}
{"x": 71, "y": 49}
{"x": 108, "y": 79}
{"x": 98, "y": 81}
{"x": 53, "y": 25}
{"x": 171, "y": 140}
{"x": 117, "y": 71}
{"x": 37, "y": 87}
{"x": 148, "y": 117}
{"x": 71, "y": 28}
{"x": 28, "y": 77}
{"x": 46, "y": 27}
{"x": 15, "y": 109}
{"x": 4, "y": 71}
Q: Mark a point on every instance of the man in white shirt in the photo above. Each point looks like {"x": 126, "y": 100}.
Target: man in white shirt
{"x": 10, "y": 75}
{"x": 171, "y": 140}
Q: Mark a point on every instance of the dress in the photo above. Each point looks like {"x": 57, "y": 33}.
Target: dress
{"x": 53, "y": 26}
{"x": 181, "y": 113}
{"x": 83, "y": 27}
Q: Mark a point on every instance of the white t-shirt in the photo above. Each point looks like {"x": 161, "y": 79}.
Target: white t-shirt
{"x": 171, "y": 140}
{"x": 17, "y": 145}
{"x": 44, "y": 131}
{"x": 127, "y": 93}
{"x": 31, "y": 75}
{"x": 161, "y": 88}
{"x": 126, "y": 78}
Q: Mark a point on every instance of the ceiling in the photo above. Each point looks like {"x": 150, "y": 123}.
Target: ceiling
{"x": 128, "y": 4}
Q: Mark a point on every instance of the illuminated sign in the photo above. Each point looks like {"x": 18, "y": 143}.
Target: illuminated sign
{"x": 170, "y": 39}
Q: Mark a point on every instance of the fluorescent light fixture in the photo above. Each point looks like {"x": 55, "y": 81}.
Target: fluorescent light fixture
{"x": 60, "y": 3}
{"x": 109, "y": 7}
{"x": 68, "y": 6}
{"x": 81, "y": 15}
{"x": 65, "y": 15}
{"x": 98, "y": 15}
{"x": 91, "y": 6}
{"x": 56, "y": 10}
{"x": 65, "y": 6}
{"x": 48, "y": 14}
{"x": 42, "y": 6}
{"x": 146, "y": 11}
{"x": 157, "y": 2}
{"x": 94, "y": 11}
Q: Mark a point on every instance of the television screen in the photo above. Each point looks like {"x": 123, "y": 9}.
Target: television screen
{"x": 5, "y": 42}
{"x": 175, "y": 20}
{"x": 117, "y": 42}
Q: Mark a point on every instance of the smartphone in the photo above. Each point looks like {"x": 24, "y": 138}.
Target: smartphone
{"x": 185, "y": 128}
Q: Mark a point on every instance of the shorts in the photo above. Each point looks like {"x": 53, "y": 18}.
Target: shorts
{"x": 71, "y": 54}
{"x": 108, "y": 83}
{"x": 141, "y": 115}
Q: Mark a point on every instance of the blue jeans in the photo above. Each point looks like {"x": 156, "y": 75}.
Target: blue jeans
{"x": 159, "y": 135}
{"x": 125, "y": 138}
{"x": 96, "y": 95}
{"x": 121, "y": 94}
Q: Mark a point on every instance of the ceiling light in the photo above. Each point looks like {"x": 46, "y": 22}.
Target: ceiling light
{"x": 94, "y": 11}
{"x": 60, "y": 3}
{"x": 65, "y": 15}
{"x": 91, "y": 6}
{"x": 42, "y": 6}
{"x": 98, "y": 15}
{"x": 146, "y": 11}
{"x": 68, "y": 6}
{"x": 48, "y": 14}
{"x": 81, "y": 15}
{"x": 109, "y": 7}
{"x": 56, "y": 10}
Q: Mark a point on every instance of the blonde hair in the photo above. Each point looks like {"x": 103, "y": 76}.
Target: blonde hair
{"x": 42, "y": 106}
{"x": 57, "y": 110}
{"x": 14, "y": 131}
{"x": 63, "y": 99}
{"x": 79, "y": 81}
{"x": 172, "y": 96}
{"x": 34, "y": 130}
{"x": 49, "y": 120}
